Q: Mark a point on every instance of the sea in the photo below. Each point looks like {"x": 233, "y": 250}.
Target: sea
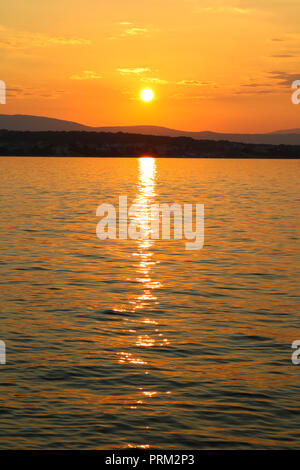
{"x": 141, "y": 343}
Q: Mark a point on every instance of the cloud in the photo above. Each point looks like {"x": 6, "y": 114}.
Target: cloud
{"x": 290, "y": 38}
{"x": 182, "y": 96}
{"x": 256, "y": 85}
{"x": 254, "y": 92}
{"x": 283, "y": 56}
{"x": 161, "y": 81}
{"x": 67, "y": 41}
{"x": 272, "y": 82}
{"x": 131, "y": 30}
{"x": 134, "y": 31}
{"x": 136, "y": 70}
{"x": 226, "y": 9}
{"x": 86, "y": 75}
{"x": 289, "y": 46}
{"x": 284, "y": 78}
{"x": 17, "y": 39}
{"x": 194, "y": 83}
{"x": 155, "y": 80}
{"x": 237, "y": 7}
{"x": 16, "y": 91}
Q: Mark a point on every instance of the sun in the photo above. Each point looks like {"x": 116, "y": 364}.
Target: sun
{"x": 147, "y": 94}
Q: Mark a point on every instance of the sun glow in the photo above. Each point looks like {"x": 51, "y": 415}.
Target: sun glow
{"x": 147, "y": 94}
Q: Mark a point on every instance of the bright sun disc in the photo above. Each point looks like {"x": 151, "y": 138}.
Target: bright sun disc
{"x": 147, "y": 94}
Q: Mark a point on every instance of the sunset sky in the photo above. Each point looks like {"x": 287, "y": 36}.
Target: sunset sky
{"x": 220, "y": 65}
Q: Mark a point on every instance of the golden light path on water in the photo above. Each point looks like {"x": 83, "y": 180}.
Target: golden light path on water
{"x": 144, "y": 199}
{"x": 144, "y": 263}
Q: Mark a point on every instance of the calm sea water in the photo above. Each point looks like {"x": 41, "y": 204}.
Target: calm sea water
{"x": 117, "y": 344}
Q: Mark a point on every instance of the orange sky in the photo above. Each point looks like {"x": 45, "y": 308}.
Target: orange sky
{"x": 223, "y": 65}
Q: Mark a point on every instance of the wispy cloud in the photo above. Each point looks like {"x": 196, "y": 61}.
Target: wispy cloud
{"x": 235, "y": 7}
{"x": 226, "y": 9}
{"x": 182, "y": 96}
{"x": 86, "y": 75}
{"x": 265, "y": 84}
{"x": 134, "y": 31}
{"x": 17, "y": 39}
{"x": 195, "y": 83}
{"x": 256, "y": 85}
{"x": 16, "y": 91}
{"x": 68, "y": 41}
{"x": 253, "y": 91}
{"x": 284, "y": 78}
{"x": 271, "y": 82}
{"x": 135, "y": 71}
{"x": 157, "y": 80}
{"x": 283, "y": 56}
{"x": 129, "y": 29}
{"x": 289, "y": 39}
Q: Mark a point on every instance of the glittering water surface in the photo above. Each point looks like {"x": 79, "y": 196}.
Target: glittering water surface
{"x": 140, "y": 343}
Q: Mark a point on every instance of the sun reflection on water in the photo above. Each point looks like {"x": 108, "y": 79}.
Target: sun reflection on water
{"x": 145, "y": 330}
{"x": 144, "y": 198}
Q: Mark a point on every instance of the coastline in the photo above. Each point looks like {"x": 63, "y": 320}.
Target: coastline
{"x": 124, "y": 145}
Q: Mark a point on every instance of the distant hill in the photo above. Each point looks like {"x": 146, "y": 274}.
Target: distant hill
{"x": 19, "y": 122}
{"x": 287, "y": 131}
